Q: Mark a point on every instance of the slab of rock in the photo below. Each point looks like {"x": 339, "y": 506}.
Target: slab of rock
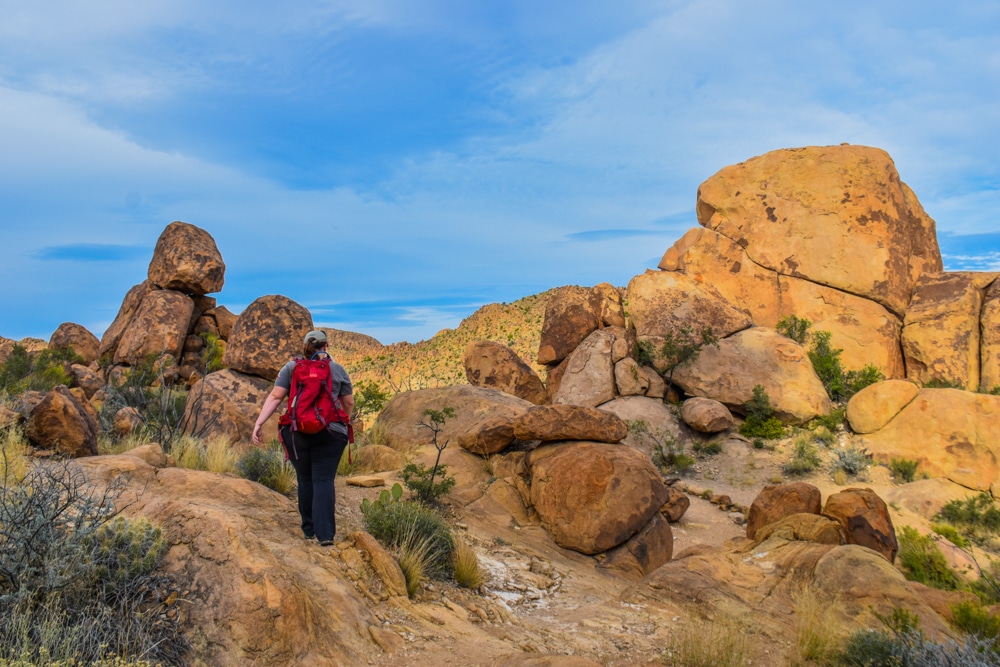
{"x": 803, "y": 527}
{"x": 647, "y": 550}
{"x": 186, "y": 259}
{"x": 606, "y": 300}
{"x": 676, "y": 505}
{"x": 657, "y": 385}
{"x": 570, "y": 316}
{"x": 755, "y": 356}
{"x": 267, "y": 335}
{"x": 834, "y": 215}
{"x": 949, "y": 432}
{"x": 227, "y": 403}
{"x": 365, "y": 481}
{"x": 588, "y": 376}
{"x": 536, "y": 660}
{"x": 159, "y": 326}
{"x": 569, "y": 422}
{"x": 382, "y": 562}
{"x": 62, "y": 423}
{"x": 592, "y": 497}
{"x": 874, "y": 406}
{"x": 130, "y": 304}
{"x": 630, "y": 378}
{"x": 775, "y": 502}
{"x": 483, "y": 421}
{"x": 661, "y": 302}
{"x": 989, "y": 344}
{"x": 497, "y": 366}
{"x": 76, "y": 337}
{"x": 706, "y": 415}
{"x": 865, "y": 520}
{"x": 660, "y": 421}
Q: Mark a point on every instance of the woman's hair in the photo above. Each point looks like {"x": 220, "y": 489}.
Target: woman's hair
{"x": 310, "y": 349}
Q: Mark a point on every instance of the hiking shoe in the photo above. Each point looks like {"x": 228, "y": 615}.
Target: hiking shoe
{"x": 309, "y": 537}
{"x": 326, "y": 543}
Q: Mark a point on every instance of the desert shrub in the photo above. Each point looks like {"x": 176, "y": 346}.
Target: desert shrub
{"x": 852, "y": 461}
{"x": 42, "y": 371}
{"x": 760, "y": 420}
{"x": 950, "y": 533}
{"x": 707, "y": 448}
{"x": 817, "y": 638}
{"x": 394, "y": 522}
{"x": 976, "y": 517}
{"x": 823, "y": 436}
{"x": 267, "y": 466}
{"x": 923, "y": 561}
{"x": 421, "y": 481}
{"x": 697, "y": 643}
{"x": 805, "y": 458}
{"x": 943, "y": 383}
{"x": 212, "y": 353}
{"x": 468, "y": 571}
{"x": 667, "y": 453}
{"x": 833, "y": 420}
{"x": 683, "y": 347}
{"x": 904, "y": 470}
{"x": 78, "y": 582}
{"x": 13, "y": 453}
{"x": 795, "y": 328}
{"x": 973, "y": 618}
{"x": 992, "y": 391}
{"x": 376, "y": 434}
{"x": 840, "y": 385}
{"x": 369, "y": 398}
{"x": 644, "y": 352}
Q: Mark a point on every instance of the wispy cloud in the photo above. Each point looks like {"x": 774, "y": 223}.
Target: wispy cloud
{"x": 93, "y": 252}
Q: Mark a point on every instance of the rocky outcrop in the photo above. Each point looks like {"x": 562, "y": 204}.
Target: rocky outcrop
{"x": 159, "y": 326}
{"x": 569, "y": 422}
{"x": 267, "y": 334}
{"x": 587, "y": 376}
{"x": 706, "y": 415}
{"x": 729, "y": 372}
{"x": 62, "y": 423}
{"x": 865, "y": 520}
{"x": 76, "y": 337}
{"x": 871, "y": 408}
{"x": 592, "y": 497}
{"x": 227, "y": 403}
{"x": 186, "y": 259}
{"x": 570, "y": 316}
{"x": 496, "y": 366}
{"x": 774, "y": 503}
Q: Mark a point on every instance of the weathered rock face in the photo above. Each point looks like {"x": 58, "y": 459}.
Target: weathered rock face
{"x": 755, "y": 356}
{"x": 706, "y": 415}
{"x": 130, "y": 304}
{"x": 483, "y": 421}
{"x": 588, "y": 376}
{"x": 675, "y": 507}
{"x": 989, "y": 346}
{"x": 61, "y": 423}
{"x": 630, "y": 378}
{"x": 227, "y": 403}
{"x": 496, "y": 366}
{"x": 267, "y": 335}
{"x": 949, "y": 432}
{"x": 645, "y": 551}
{"x": 941, "y": 332}
{"x": 662, "y": 302}
{"x": 774, "y": 503}
{"x": 186, "y": 259}
{"x": 803, "y": 527}
{"x": 867, "y": 332}
{"x": 834, "y": 215}
{"x": 660, "y": 421}
{"x": 86, "y": 379}
{"x": 865, "y": 520}
{"x": 570, "y": 316}
{"x": 75, "y": 336}
{"x": 871, "y": 408}
{"x": 592, "y": 497}
{"x": 607, "y": 303}
{"x": 569, "y": 422}
{"x": 225, "y": 320}
{"x": 159, "y": 326}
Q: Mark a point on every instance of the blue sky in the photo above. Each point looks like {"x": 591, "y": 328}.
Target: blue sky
{"x": 433, "y": 156}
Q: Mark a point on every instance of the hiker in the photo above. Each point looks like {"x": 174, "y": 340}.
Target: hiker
{"x": 313, "y": 447}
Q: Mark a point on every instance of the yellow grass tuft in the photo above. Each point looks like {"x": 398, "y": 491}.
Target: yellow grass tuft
{"x": 220, "y": 455}
{"x": 14, "y": 460}
{"x": 188, "y": 452}
{"x": 414, "y": 558}
{"x": 468, "y": 572}
{"x": 703, "y": 643}
{"x": 818, "y": 634}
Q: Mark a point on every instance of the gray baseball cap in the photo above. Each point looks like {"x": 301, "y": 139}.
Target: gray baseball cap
{"x": 316, "y": 338}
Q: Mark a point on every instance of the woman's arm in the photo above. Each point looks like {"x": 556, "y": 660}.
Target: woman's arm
{"x": 271, "y": 404}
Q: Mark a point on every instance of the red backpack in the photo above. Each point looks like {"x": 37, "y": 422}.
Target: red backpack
{"x": 311, "y": 403}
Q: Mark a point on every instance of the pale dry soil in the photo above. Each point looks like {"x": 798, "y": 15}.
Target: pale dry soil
{"x": 542, "y": 599}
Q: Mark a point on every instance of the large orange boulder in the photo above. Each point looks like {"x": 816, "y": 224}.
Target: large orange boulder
{"x": 874, "y": 406}
{"x": 775, "y": 502}
{"x": 570, "y": 316}
{"x": 186, "y": 259}
{"x": 227, "y": 403}
{"x": 267, "y": 334}
{"x": 865, "y": 520}
{"x": 663, "y": 302}
{"x": 76, "y": 337}
{"x": 834, "y": 215}
{"x": 497, "y": 366}
{"x": 159, "y": 326}
{"x": 130, "y": 304}
{"x": 62, "y": 423}
{"x": 569, "y": 422}
{"x": 592, "y": 497}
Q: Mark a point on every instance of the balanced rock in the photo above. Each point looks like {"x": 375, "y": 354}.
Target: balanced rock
{"x": 587, "y": 376}
{"x": 775, "y": 502}
{"x": 569, "y": 422}
{"x": 267, "y": 335}
{"x": 74, "y": 336}
{"x": 871, "y": 408}
{"x": 62, "y": 423}
{"x": 592, "y": 497}
{"x": 159, "y": 326}
{"x": 865, "y": 520}
{"x": 706, "y": 415}
{"x": 186, "y": 259}
{"x": 570, "y": 316}
{"x": 496, "y": 366}
{"x": 226, "y": 403}
{"x": 664, "y": 302}
{"x": 729, "y": 372}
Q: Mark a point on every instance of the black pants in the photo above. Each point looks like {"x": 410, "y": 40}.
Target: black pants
{"x": 315, "y": 459}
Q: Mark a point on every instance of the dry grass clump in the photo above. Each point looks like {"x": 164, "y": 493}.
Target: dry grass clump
{"x": 468, "y": 572}
{"x": 215, "y": 454}
{"x": 818, "y": 637}
{"x": 415, "y": 556}
{"x": 110, "y": 444}
{"x": 13, "y": 453}
{"x": 708, "y": 643}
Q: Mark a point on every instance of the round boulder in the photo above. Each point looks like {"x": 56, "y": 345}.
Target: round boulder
{"x": 267, "y": 335}
{"x": 775, "y": 502}
{"x": 874, "y": 406}
{"x": 60, "y": 422}
{"x": 865, "y": 520}
{"x": 74, "y": 336}
{"x": 227, "y": 403}
{"x": 494, "y": 365}
{"x": 159, "y": 327}
{"x": 706, "y": 415}
{"x": 570, "y": 316}
{"x": 186, "y": 259}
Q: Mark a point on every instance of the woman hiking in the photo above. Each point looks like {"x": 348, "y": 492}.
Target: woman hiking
{"x": 313, "y": 430}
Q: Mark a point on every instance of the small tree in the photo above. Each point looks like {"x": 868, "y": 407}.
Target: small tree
{"x": 760, "y": 421}
{"x": 684, "y": 347}
{"x": 794, "y": 327}
{"x": 369, "y": 398}
{"x": 417, "y": 478}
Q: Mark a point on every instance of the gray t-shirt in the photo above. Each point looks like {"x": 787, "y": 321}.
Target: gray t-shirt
{"x": 340, "y": 383}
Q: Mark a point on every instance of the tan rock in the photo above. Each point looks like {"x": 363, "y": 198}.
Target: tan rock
{"x": 606, "y": 301}
{"x": 657, "y": 385}
{"x": 645, "y": 551}
{"x": 865, "y": 520}
{"x": 86, "y": 379}
{"x": 76, "y": 337}
{"x": 592, "y": 497}
{"x": 130, "y": 305}
{"x": 378, "y": 458}
{"x": 589, "y": 377}
{"x": 949, "y": 432}
{"x": 569, "y": 422}
{"x": 941, "y": 336}
{"x": 383, "y": 564}
{"x": 874, "y": 406}
{"x": 706, "y": 415}
{"x": 227, "y": 403}
{"x": 225, "y": 320}
{"x": 534, "y": 660}
{"x": 774, "y": 503}
{"x": 661, "y": 422}
{"x": 61, "y": 423}
{"x": 570, "y": 317}
{"x": 662, "y": 302}
{"x": 989, "y": 344}
{"x": 159, "y": 326}
{"x": 755, "y": 356}
{"x": 267, "y": 335}
{"x": 834, "y": 215}
{"x": 629, "y": 378}
{"x": 676, "y": 505}
{"x": 151, "y": 454}
{"x": 482, "y": 423}
{"x": 365, "y": 481}
{"x": 186, "y": 259}
{"x": 866, "y": 331}
{"x": 497, "y": 366}
{"x": 126, "y": 421}
{"x": 803, "y": 527}
{"x": 10, "y": 417}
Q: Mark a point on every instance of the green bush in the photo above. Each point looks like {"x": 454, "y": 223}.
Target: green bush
{"x": 972, "y": 618}
{"x": 923, "y": 561}
{"x": 421, "y": 481}
{"x": 852, "y": 461}
{"x": 43, "y": 371}
{"x": 805, "y": 458}
{"x": 977, "y": 517}
{"x": 265, "y": 465}
{"x": 950, "y": 533}
{"x": 760, "y": 420}
{"x": 212, "y": 353}
{"x": 395, "y": 523}
{"x": 794, "y": 328}
{"x": 833, "y": 420}
{"x": 369, "y": 398}
{"x": 644, "y": 352}
{"x": 683, "y": 347}
{"x": 943, "y": 383}
{"x": 840, "y": 385}
{"x": 707, "y": 448}
{"x": 904, "y": 470}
